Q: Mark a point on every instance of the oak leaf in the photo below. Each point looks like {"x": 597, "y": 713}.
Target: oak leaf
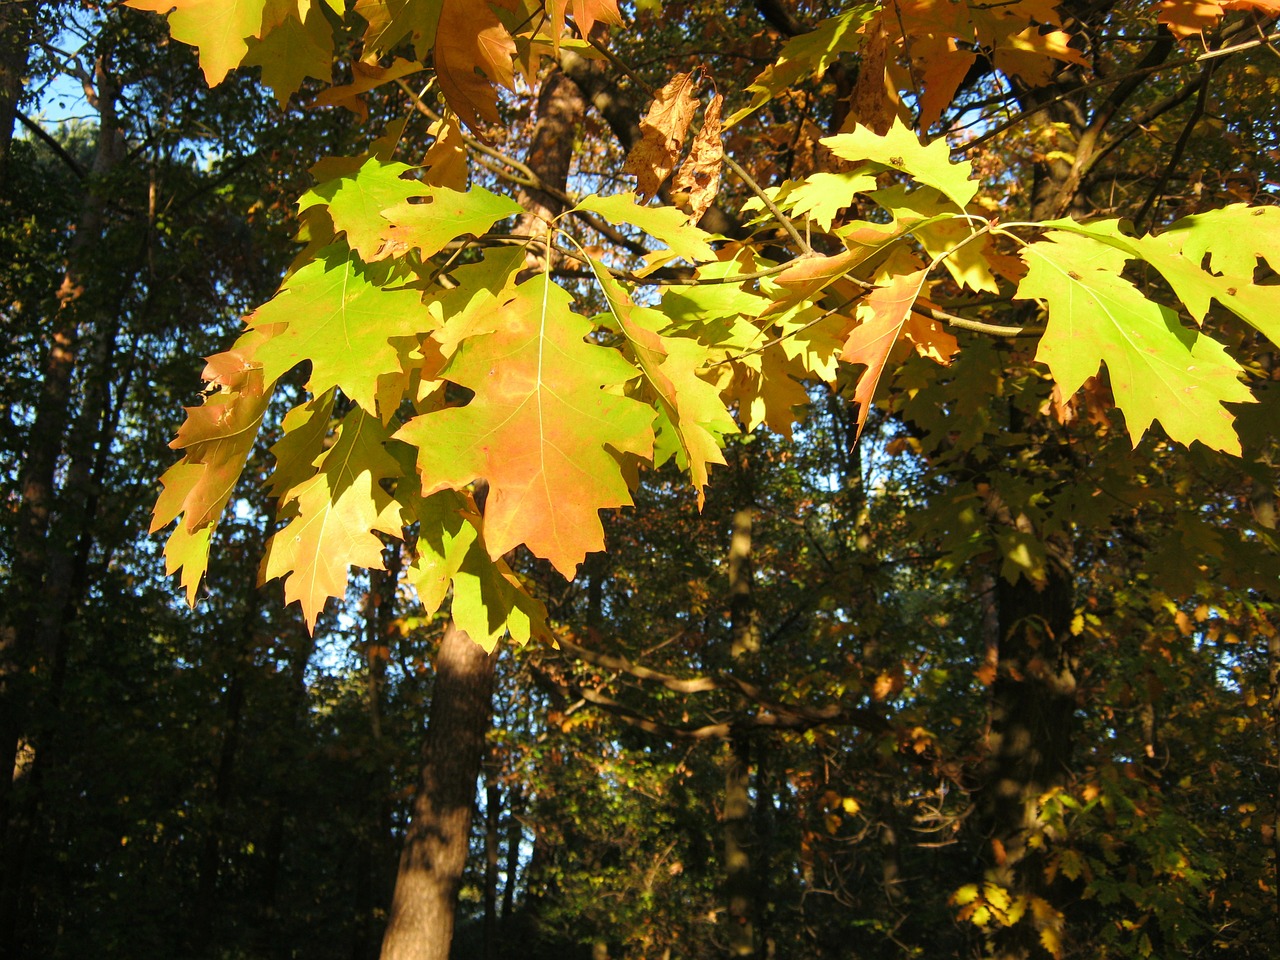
{"x": 667, "y": 224}
{"x": 692, "y": 419}
{"x": 337, "y": 513}
{"x": 217, "y": 28}
{"x": 470, "y": 36}
{"x": 807, "y": 55}
{"x": 1159, "y": 369}
{"x": 337, "y": 318}
{"x": 883, "y": 313}
{"x": 356, "y": 199}
{"x": 391, "y": 21}
{"x": 488, "y": 600}
{"x": 365, "y": 77}
{"x": 445, "y": 215}
{"x": 586, "y": 14}
{"x": 291, "y": 52}
{"x": 900, "y": 149}
{"x": 542, "y": 427}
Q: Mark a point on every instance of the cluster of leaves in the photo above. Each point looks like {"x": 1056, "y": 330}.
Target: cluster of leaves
{"x": 431, "y": 368}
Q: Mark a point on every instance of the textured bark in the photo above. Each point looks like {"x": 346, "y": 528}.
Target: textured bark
{"x": 560, "y": 110}
{"x": 435, "y": 848}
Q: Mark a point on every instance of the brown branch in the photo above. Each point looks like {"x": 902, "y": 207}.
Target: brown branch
{"x": 44, "y": 137}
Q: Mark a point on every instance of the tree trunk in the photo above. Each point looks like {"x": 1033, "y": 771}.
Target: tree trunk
{"x": 435, "y": 848}
{"x": 492, "y": 858}
{"x": 745, "y": 646}
{"x": 17, "y": 25}
{"x": 1032, "y": 721}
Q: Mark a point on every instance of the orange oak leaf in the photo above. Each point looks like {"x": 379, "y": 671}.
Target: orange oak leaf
{"x": 883, "y": 312}
{"x": 217, "y": 436}
{"x": 586, "y": 14}
{"x": 542, "y": 427}
{"x": 942, "y": 67}
{"x": 469, "y": 35}
{"x": 445, "y": 163}
{"x": 1189, "y": 18}
{"x": 364, "y": 77}
{"x": 809, "y": 276}
{"x": 662, "y": 134}
{"x": 699, "y": 176}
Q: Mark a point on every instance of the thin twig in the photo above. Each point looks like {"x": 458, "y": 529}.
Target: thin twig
{"x": 1179, "y": 148}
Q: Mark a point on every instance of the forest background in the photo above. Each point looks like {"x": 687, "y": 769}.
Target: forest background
{"x": 937, "y": 615}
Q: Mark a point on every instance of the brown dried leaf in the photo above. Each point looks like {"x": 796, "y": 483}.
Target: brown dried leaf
{"x": 699, "y": 176}
{"x": 662, "y": 134}
{"x": 869, "y": 102}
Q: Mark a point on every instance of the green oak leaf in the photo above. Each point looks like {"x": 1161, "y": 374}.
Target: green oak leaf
{"x": 692, "y": 419}
{"x": 355, "y": 201}
{"x": 1234, "y": 238}
{"x": 446, "y": 215}
{"x": 899, "y": 149}
{"x": 667, "y": 224}
{"x": 343, "y": 324}
{"x": 337, "y": 516}
{"x": 1159, "y": 369}
{"x": 291, "y": 52}
{"x": 822, "y": 196}
{"x": 488, "y": 601}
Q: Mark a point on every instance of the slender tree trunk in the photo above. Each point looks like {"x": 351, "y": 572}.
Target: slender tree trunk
{"x": 1265, "y": 513}
{"x": 380, "y": 617}
{"x": 515, "y": 835}
{"x": 492, "y": 857}
{"x": 435, "y": 848}
{"x": 745, "y": 646}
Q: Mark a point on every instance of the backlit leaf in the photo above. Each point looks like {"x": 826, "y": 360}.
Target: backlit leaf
{"x": 542, "y": 427}
{"x": 1159, "y": 369}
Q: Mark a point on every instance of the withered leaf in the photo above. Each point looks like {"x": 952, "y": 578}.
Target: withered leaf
{"x": 662, "y": 134}
{"x": 699, "y": 176}
{"x": 869, "y": 103}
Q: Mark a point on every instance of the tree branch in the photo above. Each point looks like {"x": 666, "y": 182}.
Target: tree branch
{"x": 44, "y": 137}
